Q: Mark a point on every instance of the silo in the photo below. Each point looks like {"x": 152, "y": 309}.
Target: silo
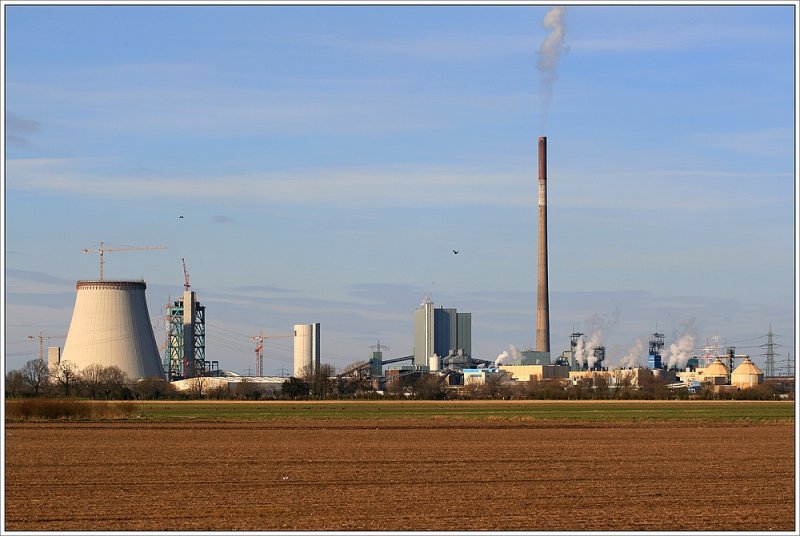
{"x": 306, "y": 348}
{"x": 747, "y": 375}
{"x": 111, "y": 327}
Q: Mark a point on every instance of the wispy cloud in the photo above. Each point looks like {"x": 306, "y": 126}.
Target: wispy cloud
{"x": 222, "y": 219}
{"x": 770, "y": 142}
{"x": 386, "y": 186}
{"x": 665, "y": 36}
{"x": 19, "y": 131}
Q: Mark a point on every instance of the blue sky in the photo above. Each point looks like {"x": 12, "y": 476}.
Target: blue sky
{"x": 327, "y": 160}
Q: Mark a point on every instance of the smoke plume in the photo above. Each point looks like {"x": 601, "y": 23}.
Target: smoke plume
{"x": 631, "y": 359}
{"x": 508, "y": 357}
{"x": 550, "y": 52}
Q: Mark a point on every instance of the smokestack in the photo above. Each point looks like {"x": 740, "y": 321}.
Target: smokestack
{"x": 543, "y": 299}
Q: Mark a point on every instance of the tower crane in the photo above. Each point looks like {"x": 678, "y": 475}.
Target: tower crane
{"x": 102, "y": 249}
{"x": 185, "y": 276}
{"x": 260, "y": 349}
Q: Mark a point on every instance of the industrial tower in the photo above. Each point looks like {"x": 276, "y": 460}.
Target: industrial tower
{"x": 185, "y": 355}
{"x": 654, "y": 352}
{"x": 542, "y": 288}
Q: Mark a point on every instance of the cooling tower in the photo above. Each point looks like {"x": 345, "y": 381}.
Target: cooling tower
{"x": 542, "y": 290}
{"x": 111, "y": 327}
{"x": 306, "y": 348}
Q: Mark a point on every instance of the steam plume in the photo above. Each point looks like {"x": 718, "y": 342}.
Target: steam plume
{"x": 580, "y": 354}
{"x": 631, "y": 359}
{"x": 680, "y": 352}
{"x": 506, "y": 356}
{"x": 594, "y": 342}
{"x": 550, "y": 52}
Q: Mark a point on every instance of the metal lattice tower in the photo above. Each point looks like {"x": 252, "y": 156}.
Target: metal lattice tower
{"x": 175, "y": 365}
{"x": 769, "y": 368}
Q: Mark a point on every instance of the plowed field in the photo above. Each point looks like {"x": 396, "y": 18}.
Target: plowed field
{"x": 399, "y": 475}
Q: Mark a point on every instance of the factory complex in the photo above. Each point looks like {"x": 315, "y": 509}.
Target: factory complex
{"x": 111, "y": 327}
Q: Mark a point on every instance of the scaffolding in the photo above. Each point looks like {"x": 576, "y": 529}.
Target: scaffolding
{"x": 179, "y": 364}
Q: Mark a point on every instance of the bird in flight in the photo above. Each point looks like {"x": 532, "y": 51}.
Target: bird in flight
{"x": 180, "y": 217}
{"x": 455, "y": 251}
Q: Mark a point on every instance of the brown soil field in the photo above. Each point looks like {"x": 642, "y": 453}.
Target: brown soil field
{"x": 409, "y": 475}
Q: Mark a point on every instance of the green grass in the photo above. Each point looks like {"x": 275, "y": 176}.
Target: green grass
{"x": 628, "y": 411}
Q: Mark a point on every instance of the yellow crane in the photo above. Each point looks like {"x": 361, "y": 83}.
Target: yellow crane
{"x": 102, "y": 249}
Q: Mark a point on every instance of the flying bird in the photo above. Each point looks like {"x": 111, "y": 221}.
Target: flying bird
{"x": 180, "y": 217}
{"x": 455, "y": 251}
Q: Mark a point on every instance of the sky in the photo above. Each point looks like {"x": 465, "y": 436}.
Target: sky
{"x": 327, "y": 160}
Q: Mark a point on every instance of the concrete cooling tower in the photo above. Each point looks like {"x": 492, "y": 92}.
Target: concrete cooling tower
{"x": 111, "y": 327}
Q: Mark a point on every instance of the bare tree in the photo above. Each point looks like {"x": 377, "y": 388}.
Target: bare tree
{"x": 35, "y": 374}
{"x": 15, "y": 384}
{"x": 320, "y": 381}
{"x": 115, "y": 385}
{"x": 356, "y": 379}
{"x": 198, "y": 386}
{"x": 93, "y": 379}
{"x": 67, "y": 376}
{"x": 600, "y": 382}
{"x": 429, "y": 387}
{"x": 153, "y": 388}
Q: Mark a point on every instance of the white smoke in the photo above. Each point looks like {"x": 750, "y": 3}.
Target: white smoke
{"x": 680, "y": 352}
{"x": 508, "y": 356}
{"x": 631, "y": 359}
{"x": 580, "y": 353}
{"x": 425, "y": 301}
{"x": 594, "y": 342}
{"x": 550, "y": 52}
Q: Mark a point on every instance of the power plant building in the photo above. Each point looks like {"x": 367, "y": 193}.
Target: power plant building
{"x": 441, "y": 332}
{"x": 111, "y": 327}
{"x": 306, "y": 348}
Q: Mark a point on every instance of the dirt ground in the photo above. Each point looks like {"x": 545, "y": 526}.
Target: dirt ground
{"x": 408, "y": 476}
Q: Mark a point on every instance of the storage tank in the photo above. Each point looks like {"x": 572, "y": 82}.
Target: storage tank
{"x": 111, "y": 327}
{"x": 433, "y": 363}
{"x": 716, "y": 373}
{"x": 306, "y": 348}
{"x": 747, "y": 375}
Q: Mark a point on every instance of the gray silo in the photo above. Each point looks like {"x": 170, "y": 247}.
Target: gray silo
{"x": 111, "y": 327}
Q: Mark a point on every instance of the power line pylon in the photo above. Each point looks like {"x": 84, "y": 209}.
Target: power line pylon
{"x": 769, "y": 346}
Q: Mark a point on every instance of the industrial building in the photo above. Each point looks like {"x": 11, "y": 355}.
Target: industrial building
{"x": 264, "y": 385}
{"x": 111, "y": 327}
{"x": 440, "y": 332}
{"x": 526, "y": 373}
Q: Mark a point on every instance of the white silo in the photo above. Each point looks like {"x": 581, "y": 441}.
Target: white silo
{"x": 306, "y": 348}
{"x": 111, "y": 327}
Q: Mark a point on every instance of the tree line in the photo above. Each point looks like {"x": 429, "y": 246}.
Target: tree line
{"x": 99, "y": 382}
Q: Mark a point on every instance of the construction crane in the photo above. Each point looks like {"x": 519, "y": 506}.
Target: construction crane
{"x": 102, "y": 249}
{"x": 260, "y": 349}
{"x": 41, "y": 345}
{"x": 185, "y": 276}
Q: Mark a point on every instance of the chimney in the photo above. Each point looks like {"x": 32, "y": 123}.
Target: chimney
{"x": 542, "y": 300}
